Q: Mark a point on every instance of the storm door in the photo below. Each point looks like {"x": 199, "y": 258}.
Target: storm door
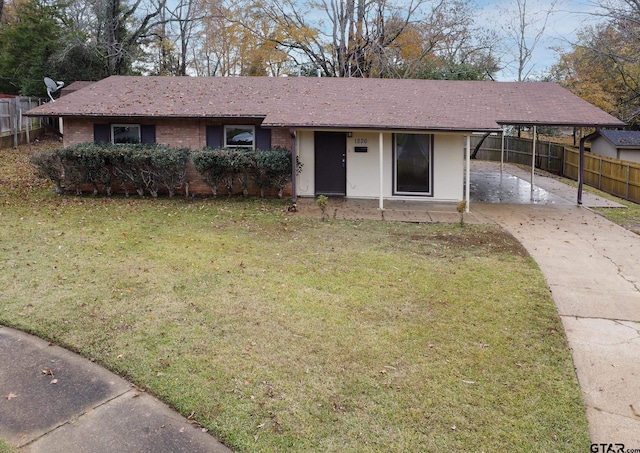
{"x": 331, "y": 163}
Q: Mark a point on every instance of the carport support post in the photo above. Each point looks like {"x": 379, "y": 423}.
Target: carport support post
{"x": 381, "y": 163}
{"x": 468, "y": 175}
{"x": 502, "y": 151}
{"x": 533, "y": 157}
{"x": 580, "y": 168}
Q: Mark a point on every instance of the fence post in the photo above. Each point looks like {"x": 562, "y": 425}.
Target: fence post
{"x": 600, "y": 175}
{"x": 627, "y": 182}
{"x": 28, "y": 121}
{"x": 16, "y": 124}
{"x": 507, "y": 149}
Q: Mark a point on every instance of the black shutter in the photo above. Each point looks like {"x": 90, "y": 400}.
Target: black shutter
{"x": 147, "y": 134}
{"x": 214, "y": 136}
{"x": 263, "y": 138}
{"x": 101, "y": 133}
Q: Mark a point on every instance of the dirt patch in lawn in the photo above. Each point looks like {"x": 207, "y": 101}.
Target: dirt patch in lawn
{"x": 472, "y": 240}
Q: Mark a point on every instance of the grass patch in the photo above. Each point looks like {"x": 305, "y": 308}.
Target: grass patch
{"x": 5, "y": 448}
{"x": 283, "y": 333}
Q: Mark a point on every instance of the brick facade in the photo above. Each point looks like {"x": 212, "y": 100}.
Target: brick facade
{"x": 281, "y": 138}
{"x": 178, "y": 133}
{"x": 77, "y": 130}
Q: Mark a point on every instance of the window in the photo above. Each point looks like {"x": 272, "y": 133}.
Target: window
{"x": 125, "y": 133}
{"x": 239, "y": 136}
{"x": 413, "y": 164}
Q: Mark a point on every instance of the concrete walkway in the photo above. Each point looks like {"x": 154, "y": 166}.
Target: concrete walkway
{"x": 54, "y": 401}
{"x": 592, "y": 267}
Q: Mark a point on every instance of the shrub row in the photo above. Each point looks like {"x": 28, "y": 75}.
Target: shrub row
{"x": 148, "y": 168}
{"x": 155, "y": 168}
{"x": 269, "y": 169}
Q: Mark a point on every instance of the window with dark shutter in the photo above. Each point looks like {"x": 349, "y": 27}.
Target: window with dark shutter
{"x": 214, "y": 136}
{"x": 263, "y": 138}
{"x": 101, "y": 133}
{"x": 147, "y": 134}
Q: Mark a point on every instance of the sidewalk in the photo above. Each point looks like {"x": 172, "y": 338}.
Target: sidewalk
{"x": 54, "y": 401}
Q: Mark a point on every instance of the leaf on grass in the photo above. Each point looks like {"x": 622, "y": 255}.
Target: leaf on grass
{"x": 11, "y": 396}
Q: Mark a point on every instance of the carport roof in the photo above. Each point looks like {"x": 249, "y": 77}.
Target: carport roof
{"x": 398, "y": 104}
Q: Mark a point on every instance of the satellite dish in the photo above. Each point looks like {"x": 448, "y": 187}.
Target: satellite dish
{"x": 52, "y": 86}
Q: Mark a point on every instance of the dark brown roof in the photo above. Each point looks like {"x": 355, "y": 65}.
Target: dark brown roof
{"x": 335, "y": 102}
{"x": 75, "y": 86}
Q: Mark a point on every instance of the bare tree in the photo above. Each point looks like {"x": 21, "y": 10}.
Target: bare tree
{"x": 525, "y": 30}
{"x": 604, "y": 65}
{"x": 112, "y": 31}
{"x": 367, "y": 38}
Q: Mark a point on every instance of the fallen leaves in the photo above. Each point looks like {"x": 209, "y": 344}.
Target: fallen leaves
{"x": 49, "y": 372}
{"x": 11, "y": 396}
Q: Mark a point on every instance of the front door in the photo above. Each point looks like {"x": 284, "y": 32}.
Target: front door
{"x": 331, "y": 163}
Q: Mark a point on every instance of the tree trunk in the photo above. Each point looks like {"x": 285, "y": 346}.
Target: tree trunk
{"x": 477, "y": 148}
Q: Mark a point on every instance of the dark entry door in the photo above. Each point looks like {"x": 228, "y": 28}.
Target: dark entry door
{"x": 331, "y": 163}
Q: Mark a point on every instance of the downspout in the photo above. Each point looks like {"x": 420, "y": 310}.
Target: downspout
{"x": 467, "y": 194}
{"x": 381, "y": 163}
{"x": 580, "y": 169}
{"x": 533, "y": 157}
{"x": 294, "y": 165}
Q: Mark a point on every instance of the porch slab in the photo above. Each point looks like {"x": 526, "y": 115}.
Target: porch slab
{"x": 489, "y": 186}
{"x": 394, "y": 211}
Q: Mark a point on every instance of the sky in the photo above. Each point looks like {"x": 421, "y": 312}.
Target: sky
{"x": 560, "y": 32}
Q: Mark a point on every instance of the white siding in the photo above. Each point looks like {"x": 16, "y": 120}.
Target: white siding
{"x": 448, "y": 174}
{"x": 305, "y": 185}
{"x": 363, "y": 171}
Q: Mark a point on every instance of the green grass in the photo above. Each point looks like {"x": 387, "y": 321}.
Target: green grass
{"x": 283, "y": 333}
{"x": 5, "y": 448}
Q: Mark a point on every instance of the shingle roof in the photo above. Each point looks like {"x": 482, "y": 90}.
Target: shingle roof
{"x": 622, "y": 139}
{"x": 334, "y": 102}
{"x": 75, "y": 86}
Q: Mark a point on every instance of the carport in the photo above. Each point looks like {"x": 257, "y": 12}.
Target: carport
{"x": 551, "y": 107}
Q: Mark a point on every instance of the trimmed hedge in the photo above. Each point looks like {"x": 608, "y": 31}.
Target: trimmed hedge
{"x": 143, "y": 167}
{"x": 154, "y": 168}
{"x": 269, "y": 169}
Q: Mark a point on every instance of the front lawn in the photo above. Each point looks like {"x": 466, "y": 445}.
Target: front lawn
{"x": 278, "y": 332}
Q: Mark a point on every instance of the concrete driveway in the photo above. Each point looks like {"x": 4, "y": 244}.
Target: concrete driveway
{"x": 592, "y": 267}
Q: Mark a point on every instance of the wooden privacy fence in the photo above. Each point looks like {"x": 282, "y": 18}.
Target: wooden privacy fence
{"x": 617, "y": 177}
{"x": 13, "y": 124}
{"x": 549, "y": 156}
